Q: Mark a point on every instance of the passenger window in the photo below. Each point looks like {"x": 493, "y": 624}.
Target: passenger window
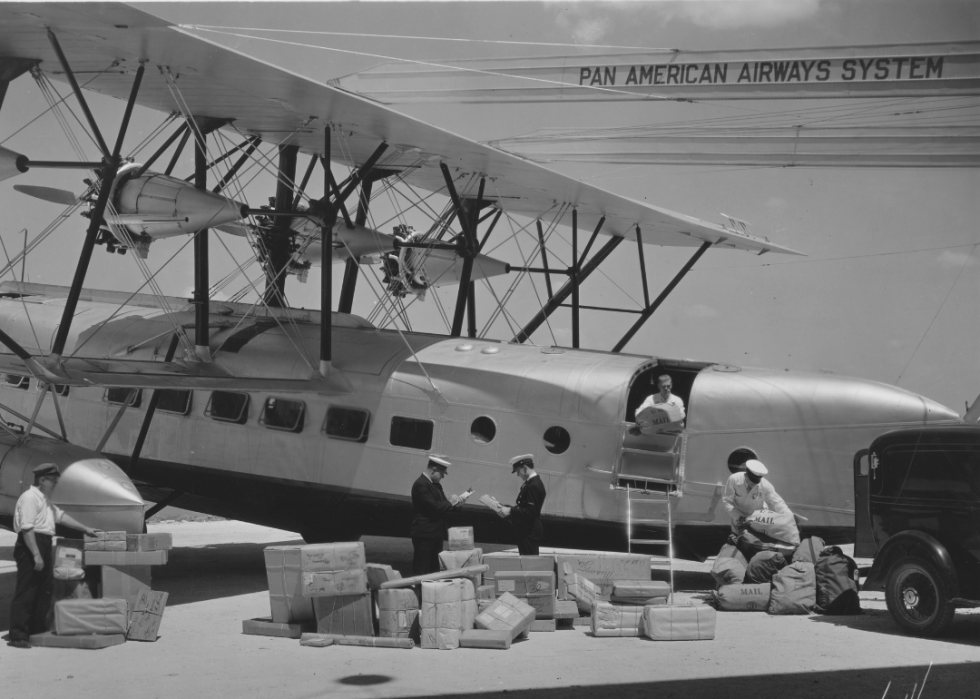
{"x": 282, "y": 414}
{"x": 483, "y": 430}
{"x": 411, "y": 433}
{"x": 18, "y": 381}
{"x": 557, "y": 440}
{"x": 118, "y": 396}
{"x": 347, "y": 423}
{"x": 228, "y": 407}
{"x": 61, "y": 389}
{"x": 173, "y": 401}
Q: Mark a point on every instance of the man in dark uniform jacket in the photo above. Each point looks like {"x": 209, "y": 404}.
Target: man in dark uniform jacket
{"x": 432, "y": 509}
{"x": 526, "y": 514}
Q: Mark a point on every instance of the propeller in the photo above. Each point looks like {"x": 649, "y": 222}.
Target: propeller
{"x": 55, "y": 196}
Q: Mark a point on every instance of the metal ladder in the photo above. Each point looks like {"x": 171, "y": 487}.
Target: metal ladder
{"x": 664, "y": 498}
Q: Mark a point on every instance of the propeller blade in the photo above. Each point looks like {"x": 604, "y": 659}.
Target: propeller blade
{"x": 55, "y": 196}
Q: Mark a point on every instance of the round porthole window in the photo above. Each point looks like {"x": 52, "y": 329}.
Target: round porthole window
{"x": 483, "y": 430}
{"x": 557, "y": 440}
{"x": 737, "y": 459}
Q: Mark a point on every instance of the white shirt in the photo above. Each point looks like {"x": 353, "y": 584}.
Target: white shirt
{"x": 743, "y": 497}
{"x": 36, "y": 512}
{"x": 646, "y": 426}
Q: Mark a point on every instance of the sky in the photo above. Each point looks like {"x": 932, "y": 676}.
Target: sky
{"x": 890, "y": 286}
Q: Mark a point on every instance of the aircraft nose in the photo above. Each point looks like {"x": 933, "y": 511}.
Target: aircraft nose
{"x": 99, "y": 494}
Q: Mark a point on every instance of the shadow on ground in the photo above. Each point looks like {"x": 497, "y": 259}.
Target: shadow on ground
{"x": 965, "y": 628}
{"x": 955, "y": 681}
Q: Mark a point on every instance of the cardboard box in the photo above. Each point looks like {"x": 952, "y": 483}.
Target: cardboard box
{"x": 441, "y": 618}
{"x": 462, "y": 558}
{"x": 506, "y": 613}
{"x": 511, "y": 561}
{"x": 146, "y": 614}
{"x": 543, "y": 625}
{"x": 149, "y": 542}
{"x": 461, "y": 539}
{"x": 521, "y": 583}
{"x": 265, "y": 626}
{"x": 115, "y": 536}
{"x": 348, "y": 616}
{"x": 282, "y": 568}
{"x": 585, "y": 593}
{"x": 98, "y": 536}
{"x": 125, "y": 582}
{"x": 74, "y": 617}
{"x": 602, "y": 569}
{"x": 346, "y": 555}
{"x": 616, "y": 620}
{"x": 339, "y": 583}
{"x": 398, "y": 613}
{"x": 641, "y": 588}
{"x": 483, "y": 638}
{"x": 125, "y": 558}
{"x": 378, "y": 573}
{"x": 486, "y": 592}
{"x": 95, "y": 545}
{"x": 566, "y": 609}
{"x": 679, "y": 623}
{"x": 89, "y": 642}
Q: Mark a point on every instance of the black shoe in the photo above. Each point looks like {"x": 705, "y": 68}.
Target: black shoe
{"x": 20, "y": 644}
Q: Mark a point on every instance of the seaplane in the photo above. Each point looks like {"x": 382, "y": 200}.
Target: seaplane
{"x": 318, "y": 421}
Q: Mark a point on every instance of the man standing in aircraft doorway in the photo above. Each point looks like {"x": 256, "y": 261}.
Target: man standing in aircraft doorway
{"x": 525, "y": 515}
{"x": 661, "y": 399}
{"x": 35, "y": 517}
{"x": 747, "y": 492}
{"x": 432, "y": 509}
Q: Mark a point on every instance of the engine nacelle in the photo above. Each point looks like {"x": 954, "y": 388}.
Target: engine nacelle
{"x": 92, "y": 489}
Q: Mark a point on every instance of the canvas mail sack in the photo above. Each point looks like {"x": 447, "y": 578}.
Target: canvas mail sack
{"x": 729, "y": 567}
{"x": 781, "y": 527}
{"x": 794, "y": 590}
{"x": 743, "y": 598}
{"x": 837, "y": 588}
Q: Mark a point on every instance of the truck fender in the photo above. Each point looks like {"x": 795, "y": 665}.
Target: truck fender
{"x": 908, "y": 541}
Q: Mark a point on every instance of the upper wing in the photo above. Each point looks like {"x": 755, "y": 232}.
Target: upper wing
{"x": 215, "y": 81}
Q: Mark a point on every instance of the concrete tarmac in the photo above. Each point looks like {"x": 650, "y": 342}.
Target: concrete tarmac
{"x": 216, "y": 578}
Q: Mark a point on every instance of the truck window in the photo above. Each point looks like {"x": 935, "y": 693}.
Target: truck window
{"x": 931, "y": 474}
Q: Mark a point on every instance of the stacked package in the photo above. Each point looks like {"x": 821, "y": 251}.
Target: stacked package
{"x": 679, "y": 623}
{"x": 509, "y": 561}
{"x": 508, "y": 614}
{"x": 536, "y": 588}
{"x": 617, "y": 620}
{"x": 442, "y": 619}
{"x": 398, "y": 613}
{"x": 640, "y": 592}
{"x": 461, "y": 539}
{"x": 86, "y": 623}
{"x": 603, "y": 570}
{"x": 335, "y": 577}
{"x": 455, "y": 559}
{"x": 126, "y": 561}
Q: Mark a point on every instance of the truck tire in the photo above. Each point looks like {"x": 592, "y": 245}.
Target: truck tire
{"x": 918, "y": 595}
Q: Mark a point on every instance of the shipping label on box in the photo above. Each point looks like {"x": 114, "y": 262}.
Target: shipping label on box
{"x": 338, "y": 583}
{"x": 347, "y": 555}
{"x": 146, "y": 615}
{"x": 149, "y": 542}
{"x": 461, "y": 539}
{"x": 125, "y": 582}
{"x": 125, "y": 558}
{"x": 603, "y": 569}
{"x": 286, "y": 600}
{"x": 347, "y": 616}
{"x": 506, "y": 613}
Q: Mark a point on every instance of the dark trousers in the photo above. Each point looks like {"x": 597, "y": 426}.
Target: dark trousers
{"x": 32, "y": 596}
{"x": 426, "y": 555}
{"x": 528, "y": 546}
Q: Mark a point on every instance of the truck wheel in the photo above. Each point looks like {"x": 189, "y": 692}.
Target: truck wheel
{"x": 918, "y": 596}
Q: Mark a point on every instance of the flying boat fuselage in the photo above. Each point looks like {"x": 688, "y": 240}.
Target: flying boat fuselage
{"x": 341, "y": 465}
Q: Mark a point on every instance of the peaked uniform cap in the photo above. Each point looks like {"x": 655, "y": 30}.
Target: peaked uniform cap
{"x": 438, "y": 462}
{"x": 46, "y": 470}
{"x": 756, "y": 467}
{"x": 522, "y": 460}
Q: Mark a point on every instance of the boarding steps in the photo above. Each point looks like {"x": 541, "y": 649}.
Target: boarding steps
{"x": 637, "y": 501}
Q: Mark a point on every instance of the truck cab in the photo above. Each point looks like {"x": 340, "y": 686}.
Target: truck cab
{"x": 917, "y": 511}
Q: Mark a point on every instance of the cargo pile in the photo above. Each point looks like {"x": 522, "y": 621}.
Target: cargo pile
{"x": 768, "y": 568}
{"x": 327, "y": 594}
{"x": 102, "y": 594}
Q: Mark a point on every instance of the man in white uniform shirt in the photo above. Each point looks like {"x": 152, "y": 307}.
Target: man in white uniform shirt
{"x": 747, "y": 492}
{"x": 661, "y": 398}
{"x": 35, "y": 517}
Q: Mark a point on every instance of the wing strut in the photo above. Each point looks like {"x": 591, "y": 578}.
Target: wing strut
{"x": 108, "y": 173}
{"x": 565, "y": 291}
{"x": 151, "y": 409}
{"x": 326, "y": 264}
{"x": 649, "y": 310}
{"x": 468, "y": 250}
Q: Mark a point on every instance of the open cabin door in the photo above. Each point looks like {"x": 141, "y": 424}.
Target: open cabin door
{"x": 651, "y": 461}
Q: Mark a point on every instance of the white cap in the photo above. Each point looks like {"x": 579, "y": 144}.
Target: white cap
{"x": 756, "y": 467}
{"x": 438, "y": 462}
{"x": 522, "y": 460}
